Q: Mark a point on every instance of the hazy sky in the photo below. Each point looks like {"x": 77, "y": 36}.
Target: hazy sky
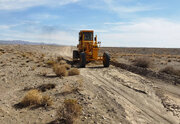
{"x": 130, "y": 23}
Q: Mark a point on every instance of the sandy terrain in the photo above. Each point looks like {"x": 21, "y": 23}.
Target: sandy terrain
{"x": 108, "y": 96}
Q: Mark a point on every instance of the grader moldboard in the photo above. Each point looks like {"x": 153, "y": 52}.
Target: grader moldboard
{"x": 88, "y": 49}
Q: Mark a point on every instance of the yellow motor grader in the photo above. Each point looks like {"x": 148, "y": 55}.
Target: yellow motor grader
{"x": 88, "y": 49}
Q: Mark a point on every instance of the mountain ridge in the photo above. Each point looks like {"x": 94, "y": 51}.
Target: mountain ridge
{"x": 21, "y": 42}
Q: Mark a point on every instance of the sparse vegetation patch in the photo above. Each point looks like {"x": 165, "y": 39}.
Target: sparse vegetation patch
{"x": 73, "y": 71}
{"x": 46, "y": 101}
{"x": 59, "y": 58}
{"x": 69, "y": 112}
{"x": 60, "y": 70}
{"x": 34, "y": 98}
{"x": 67, "y": 66}
{"x": 142, "y": 62}
{"x": 50, "y": 62}
{"x": 170, "y": 70}
{"x": 62, "y": 62}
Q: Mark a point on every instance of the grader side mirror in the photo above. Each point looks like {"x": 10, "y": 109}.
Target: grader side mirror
{"x": 95, "y": 38}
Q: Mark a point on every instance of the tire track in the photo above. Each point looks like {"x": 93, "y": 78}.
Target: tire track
{"x": 123, "y": 94}
{"x": 114, "y": 87}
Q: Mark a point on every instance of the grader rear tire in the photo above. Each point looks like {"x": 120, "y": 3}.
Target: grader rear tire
{"x": 82, "y": 60}
{"x": 106, "y": 59}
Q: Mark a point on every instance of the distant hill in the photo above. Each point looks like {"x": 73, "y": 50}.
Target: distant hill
{"x": 22, "y": 42}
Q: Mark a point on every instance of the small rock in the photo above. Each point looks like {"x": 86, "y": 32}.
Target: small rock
{"x": 103, "y": 118}
{"x": 89, "y": 98}
{"x": 40, "y": 118}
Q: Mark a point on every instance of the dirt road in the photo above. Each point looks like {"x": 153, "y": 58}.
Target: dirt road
{"x": 109, "y": 96}
{"x": 132, "y": 97}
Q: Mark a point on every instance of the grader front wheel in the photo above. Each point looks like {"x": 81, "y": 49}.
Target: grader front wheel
{"x": 106, "y": 59}
{"x": 82, "y": 60}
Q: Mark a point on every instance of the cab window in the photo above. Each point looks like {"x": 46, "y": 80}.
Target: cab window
{"x": 88, "y": 36}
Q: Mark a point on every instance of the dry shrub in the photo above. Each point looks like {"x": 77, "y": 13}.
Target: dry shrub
{"x": 35, "y": 98}
{"x": 42, "y": 55}
{"x": 59, "y": 58}
{"x": 46, "y": 101}
{"x": 62, "y": 62}
{"x": 67, "y": 66}
{"x": 142, "y": 62}
{"x": 51, "y": 62}
{"x": 60, "y": 70}
{"x": 73, "y": 71}
{"x": 24, "y": 54}
{"x": 69, "y": 112}
{"x": 170, "y": 70}
{"x": 1, "y": 50}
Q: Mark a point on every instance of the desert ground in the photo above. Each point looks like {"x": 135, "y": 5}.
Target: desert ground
{"x": 124, "y": 93}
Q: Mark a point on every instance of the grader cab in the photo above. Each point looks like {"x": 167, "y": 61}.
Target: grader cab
{"x": 88, "y": 49}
